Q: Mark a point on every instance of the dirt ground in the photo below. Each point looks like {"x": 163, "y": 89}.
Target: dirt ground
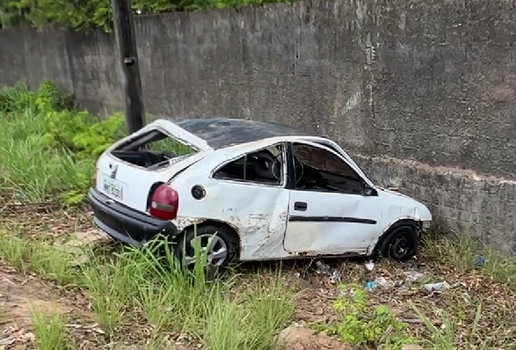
{"x": 20, "y": 293}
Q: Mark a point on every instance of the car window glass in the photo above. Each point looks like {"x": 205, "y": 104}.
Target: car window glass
{"x": 317, "y": 169}
{"x": 264, "y": 166}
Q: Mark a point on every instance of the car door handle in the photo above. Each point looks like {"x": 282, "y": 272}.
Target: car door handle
{"x": 301, "y": 206}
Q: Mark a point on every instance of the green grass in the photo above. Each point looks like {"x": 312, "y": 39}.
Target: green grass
{"x": 31, "y": 170}
{"x": 461, "y": 252}
{"x": 139, "y": 282}
{"x": 49, "y": 330}
{"x": 40, "y": 256}
{"x": 449, "y": 337}
{"x": 48, "y": 150}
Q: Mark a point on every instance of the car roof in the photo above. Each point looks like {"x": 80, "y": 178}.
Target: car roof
{"x": 225, "y": 132}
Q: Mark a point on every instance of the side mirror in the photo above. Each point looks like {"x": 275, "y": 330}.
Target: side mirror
{"x": 368, "y": 190}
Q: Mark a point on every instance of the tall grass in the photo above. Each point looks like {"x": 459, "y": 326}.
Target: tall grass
{"x": 447, "y": 337}
{"x": 48, "y": 149}
{"x": 142, "y": 284}
{"x": 30, "y": 169}
{"x": 462, "y": 252}
{"x": 49, "y": 330}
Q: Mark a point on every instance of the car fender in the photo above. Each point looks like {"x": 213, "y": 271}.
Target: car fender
{"x": 376, "y": 238}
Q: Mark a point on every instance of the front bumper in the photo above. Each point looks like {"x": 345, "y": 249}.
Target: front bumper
{"x": 126, "y": 224}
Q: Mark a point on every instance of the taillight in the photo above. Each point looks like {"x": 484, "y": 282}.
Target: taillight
{"x": 164, "y": 203}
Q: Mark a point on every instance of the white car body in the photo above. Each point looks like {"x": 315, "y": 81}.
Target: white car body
{"x": 264, "y": 216}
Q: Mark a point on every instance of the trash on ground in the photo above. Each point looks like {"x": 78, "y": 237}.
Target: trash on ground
{"x": 369, "y": 265}
{"x": 383, "y": 282}
{"x": 327, "y": 270}
{"x": 437, "y": 287}
{"x": 322, "y": 268}
{"x": 413, "y": 276}
{"x": 370, "y": 285}
{"x": 335, "y": 276}
{"x": 480, "y": 261}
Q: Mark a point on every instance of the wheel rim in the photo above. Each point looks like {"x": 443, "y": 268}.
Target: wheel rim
{"x": 213, "y": 246}
{"x": 400, "y": 247}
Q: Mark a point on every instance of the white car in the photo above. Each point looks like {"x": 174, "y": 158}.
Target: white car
{"x": 253, "y": 191}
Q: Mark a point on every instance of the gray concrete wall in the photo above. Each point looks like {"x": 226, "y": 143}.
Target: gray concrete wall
{"x": 421, "y": 93}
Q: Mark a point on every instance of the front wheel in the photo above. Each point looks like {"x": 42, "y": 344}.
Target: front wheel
{"x": 216, "y": 244}
{"x": 401, "y": 243}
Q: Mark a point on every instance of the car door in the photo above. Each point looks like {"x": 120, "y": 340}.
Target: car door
{"x": 329, "y": 211}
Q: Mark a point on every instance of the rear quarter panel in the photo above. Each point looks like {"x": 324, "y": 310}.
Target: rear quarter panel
{"x": 257, "y": 213}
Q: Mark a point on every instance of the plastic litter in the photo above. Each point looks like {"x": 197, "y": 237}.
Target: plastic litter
{"x": 335, "y": 277}
{"x": 437, "y": 287}
{"x": 413, "y": 276}
{"x": 480, "y": 261}
{"x": 322, "y": 268}
{"x": 369, "y": 265}
{"x": 370, "y": 285}
{"x": 383, "y": 282}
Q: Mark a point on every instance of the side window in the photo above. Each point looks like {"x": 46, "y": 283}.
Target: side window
{"x": 317, "y": 169}
{"x": 265, "y": 166}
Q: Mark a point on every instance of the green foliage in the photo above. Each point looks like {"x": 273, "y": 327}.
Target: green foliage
{"x": 360, "y": 325}
{"x": 48, "y": 147}
{"x": 85, "y": 15}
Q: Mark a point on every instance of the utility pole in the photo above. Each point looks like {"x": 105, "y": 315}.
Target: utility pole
{"x": 126, "y": 43}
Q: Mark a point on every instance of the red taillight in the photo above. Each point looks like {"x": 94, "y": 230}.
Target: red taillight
{"x": 164, "y": 203}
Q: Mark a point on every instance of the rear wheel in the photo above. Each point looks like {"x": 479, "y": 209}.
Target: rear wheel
{"x": 218, "y": 244}
{"x": 401, "y": 242}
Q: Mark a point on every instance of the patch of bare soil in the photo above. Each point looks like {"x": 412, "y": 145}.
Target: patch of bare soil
{"x": 42, "y": 220}
{"x": 21, "y": 294}
{"x": 299, "y": 337}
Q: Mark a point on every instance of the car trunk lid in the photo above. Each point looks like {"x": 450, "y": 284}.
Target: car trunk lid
{"x": 128, "y": 171}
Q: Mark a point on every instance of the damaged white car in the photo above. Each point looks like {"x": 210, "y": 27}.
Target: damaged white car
{"x": 253, "y": 191}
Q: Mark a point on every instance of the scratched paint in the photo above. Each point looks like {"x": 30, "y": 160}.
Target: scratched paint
{"x": 261, "y": 214}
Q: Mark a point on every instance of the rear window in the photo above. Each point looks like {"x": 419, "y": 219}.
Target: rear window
{"x": 153, "y": 150}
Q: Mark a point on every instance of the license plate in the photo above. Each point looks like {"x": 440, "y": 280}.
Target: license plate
{"x": 113, "y": 188}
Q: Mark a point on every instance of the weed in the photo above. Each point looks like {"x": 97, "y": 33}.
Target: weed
{"x": 153, "y": 282}
{"x": 13, "y": 249}
{"x": 448, "y": 337}
{"x": 358, "y": 325}
{"x": 47, "y": 148}
{"x": 49, "y": 330}
{"x": 462, "y": 252}
{"x": 110, "y": 287}
{"x": 53, "y": 263}
{"x": 39, "y": 256}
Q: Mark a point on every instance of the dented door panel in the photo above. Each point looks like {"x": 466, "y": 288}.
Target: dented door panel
{"x": 332, "y": 223}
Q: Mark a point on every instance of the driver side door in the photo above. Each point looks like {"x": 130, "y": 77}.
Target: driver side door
{"x": 328, "y": 212}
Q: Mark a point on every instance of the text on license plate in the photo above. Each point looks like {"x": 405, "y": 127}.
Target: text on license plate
{"x": 113, "y": 188}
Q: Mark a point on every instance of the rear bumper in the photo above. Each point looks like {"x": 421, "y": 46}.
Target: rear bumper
{"x": 126, "y": 224}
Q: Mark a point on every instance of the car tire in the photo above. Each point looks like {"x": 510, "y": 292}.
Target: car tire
{"x": 223, "y": 250}
{"x": 400, "y": 243}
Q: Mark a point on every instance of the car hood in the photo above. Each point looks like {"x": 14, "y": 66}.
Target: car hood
{"x": 401, "y": 205}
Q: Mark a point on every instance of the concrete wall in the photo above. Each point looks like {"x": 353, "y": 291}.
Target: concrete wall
{"x": 421, "y": 93}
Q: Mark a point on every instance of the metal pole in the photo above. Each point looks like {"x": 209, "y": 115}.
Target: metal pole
{"x": 126, "y": 43}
